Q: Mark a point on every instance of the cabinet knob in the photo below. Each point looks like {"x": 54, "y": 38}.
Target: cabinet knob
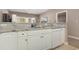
{"x": 41, "y": 36}
{"x": 26, "y": 39}
{"x": 22, "y": 33}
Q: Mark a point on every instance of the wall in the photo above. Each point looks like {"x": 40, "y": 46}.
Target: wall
{"x": 51, "y": 14}
{"x": 73, "y": 22}
{"x": 0, "y": 15}
{"x": 73, "y": 27}
{"x": 1, "y": 12}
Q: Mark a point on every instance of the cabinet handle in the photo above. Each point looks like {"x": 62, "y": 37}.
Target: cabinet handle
{"x": 29, "y": 35}
{"x": 22, "y": 33}
{"x": 42, "y": 33}
{"x": 26, "y": 39}
{"x": 41, "y": 36}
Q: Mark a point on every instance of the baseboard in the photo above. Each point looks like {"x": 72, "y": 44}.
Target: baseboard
{"x": 74, "y": 37}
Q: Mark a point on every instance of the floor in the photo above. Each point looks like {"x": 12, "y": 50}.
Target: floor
{"x": 66, "y": 47}
{"x": 73, "y": 42}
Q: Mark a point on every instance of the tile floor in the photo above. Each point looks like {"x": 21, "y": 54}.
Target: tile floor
{"x": 66, "y": 47}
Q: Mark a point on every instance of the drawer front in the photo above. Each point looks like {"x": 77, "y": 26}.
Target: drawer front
{"x": 46, "y": 32}
{"x": 8, "y": 34}
{"x": 58, "y": 29}
{"x": 22, "y": 34}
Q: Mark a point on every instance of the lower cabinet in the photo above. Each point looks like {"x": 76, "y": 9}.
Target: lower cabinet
{"x": 22, "y": 41}
{"x": 45, "y": 37}
{"x": 8, "y": 41}
{"x": 39, "y": 40}
{"x": 32, "y": 40}
{"x": 58, "y": 37}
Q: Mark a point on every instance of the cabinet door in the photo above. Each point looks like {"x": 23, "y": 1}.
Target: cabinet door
{"x": 63, "y": 35}
{"x": 22, "y": 41}
{"x": 39, "y": 40}
{"x": 45, "y": 39}
{"x": 8, "y": 41}
{"x": 34, "y": 41}
{"x": 58, "y": 37}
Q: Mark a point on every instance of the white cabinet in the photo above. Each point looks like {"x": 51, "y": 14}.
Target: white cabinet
{"x": 8, "y": 41}
{"x": 29, "y": 40}
{"x": 58, "y": 37}
{"x": 22, "y": 40}
{"x": 45, "y": 37}
{"x": 34, "y": 41}
{"x": 39, "y": 40}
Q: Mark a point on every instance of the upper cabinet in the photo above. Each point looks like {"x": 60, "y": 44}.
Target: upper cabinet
{"x": 21, "y": 19}
{"x": 5, "y": 16}
{"x": 17, "y": 19}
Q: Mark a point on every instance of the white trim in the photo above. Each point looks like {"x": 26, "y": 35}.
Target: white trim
{"x": 74, "y": 37}
{"x": 58, "y": 13}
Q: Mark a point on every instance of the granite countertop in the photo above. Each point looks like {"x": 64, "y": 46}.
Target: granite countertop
{"x": 31, "y": 29}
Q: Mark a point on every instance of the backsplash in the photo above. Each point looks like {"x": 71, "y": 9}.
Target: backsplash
{"x": 12, "y": 26}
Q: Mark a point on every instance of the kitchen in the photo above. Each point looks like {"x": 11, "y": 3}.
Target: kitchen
{"x": 34, "y": 29}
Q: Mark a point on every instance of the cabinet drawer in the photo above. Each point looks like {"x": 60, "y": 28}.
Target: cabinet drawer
{"x": 8, "y": 34}
{"x": 22, "y": 38}
{"x": 22, "y": 34}
{"x": 60, "y": 29}
{"x": 33, "y": 33}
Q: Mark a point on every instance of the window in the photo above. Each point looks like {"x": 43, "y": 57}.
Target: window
{"x": 33, "y": 20}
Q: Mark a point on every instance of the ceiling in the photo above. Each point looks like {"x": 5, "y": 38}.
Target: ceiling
{"x": 31, "y": 11}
